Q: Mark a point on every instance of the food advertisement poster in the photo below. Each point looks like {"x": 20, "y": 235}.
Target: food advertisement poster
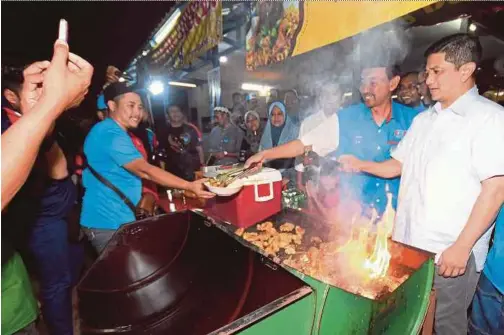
{"x": 273, "y": 30}
{"x": 281, "y": 29}
{"x": 197, "y": 30}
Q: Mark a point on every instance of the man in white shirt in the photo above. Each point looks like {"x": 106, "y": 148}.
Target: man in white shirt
{"x": 451, "y": 163}
{"x": 319, "y": 131}
{"x": 314, "y": 129}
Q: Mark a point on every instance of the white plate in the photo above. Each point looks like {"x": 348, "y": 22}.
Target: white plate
{"x": 225, "y": 191}
{"x": 210, "y": 174}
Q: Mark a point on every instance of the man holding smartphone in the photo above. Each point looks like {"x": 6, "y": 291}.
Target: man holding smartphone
{"x": 49, "y": 88}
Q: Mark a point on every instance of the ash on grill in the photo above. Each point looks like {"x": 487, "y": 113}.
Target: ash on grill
{"x": 328, "y": 262}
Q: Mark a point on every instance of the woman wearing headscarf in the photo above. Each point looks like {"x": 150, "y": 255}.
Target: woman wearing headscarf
{"x": 279, "y": 130}
{"x": 253, "y": 134}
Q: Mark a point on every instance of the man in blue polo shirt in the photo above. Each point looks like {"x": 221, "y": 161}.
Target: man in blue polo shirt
{"x": 369, "y": 130}
{"x": 110, "y": 152}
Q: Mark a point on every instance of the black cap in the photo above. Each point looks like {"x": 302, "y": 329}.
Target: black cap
{"x": 116, "y": 89}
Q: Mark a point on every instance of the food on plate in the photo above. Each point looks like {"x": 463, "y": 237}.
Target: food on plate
{"x": 216, "y": 182}
{"x": 229, "y": 177}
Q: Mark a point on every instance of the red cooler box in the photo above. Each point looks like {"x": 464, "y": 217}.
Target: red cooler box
{"x": 260, "y": 198}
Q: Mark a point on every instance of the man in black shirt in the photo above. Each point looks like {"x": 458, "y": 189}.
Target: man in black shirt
{"x": 184, "y": 152}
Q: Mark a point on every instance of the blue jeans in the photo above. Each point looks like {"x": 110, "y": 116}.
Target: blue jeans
{"x": 58, "y": 264}
{"x": 487, "y": 315}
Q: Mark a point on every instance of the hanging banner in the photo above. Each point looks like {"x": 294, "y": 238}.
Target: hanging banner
{"x": 214, "y": 88}
{"x": 443, "y": 11}
{"x": 197, "y": 29}
{"x": 281, "y": 29}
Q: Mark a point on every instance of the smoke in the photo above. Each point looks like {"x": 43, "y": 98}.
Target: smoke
{"x": 341, "y": 63}
{"x": 387, "y": 44}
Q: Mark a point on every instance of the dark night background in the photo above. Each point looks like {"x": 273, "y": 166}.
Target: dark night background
{"x": 104, "y": 33}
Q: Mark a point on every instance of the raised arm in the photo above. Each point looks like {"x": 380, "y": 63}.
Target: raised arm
{"x": 21, "y": 143}
{"x": 64, "y": 81}
{"x": 288, "y": 150}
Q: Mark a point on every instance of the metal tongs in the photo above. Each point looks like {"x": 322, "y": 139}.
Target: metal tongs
{"x": 227, "y": 178}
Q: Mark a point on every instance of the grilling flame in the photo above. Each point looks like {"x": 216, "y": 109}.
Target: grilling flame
{"x": 374, "y": 263}
{"x": 379, "y": 261}
{"x": 389, "y": 214}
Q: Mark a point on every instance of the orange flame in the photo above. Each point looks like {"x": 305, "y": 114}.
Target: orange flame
{"x": 379, "y": 261}
{"x": 366, "y": 261}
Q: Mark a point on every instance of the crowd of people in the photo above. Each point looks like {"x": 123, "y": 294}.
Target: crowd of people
{"x": 451, "y": 169}
{"x": 437, "y": 150}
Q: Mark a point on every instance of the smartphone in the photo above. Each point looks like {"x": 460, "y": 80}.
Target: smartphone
{"x": 63, "y": 30}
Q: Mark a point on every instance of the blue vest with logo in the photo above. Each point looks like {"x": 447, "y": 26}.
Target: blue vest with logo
{"x": 362, "y": 137}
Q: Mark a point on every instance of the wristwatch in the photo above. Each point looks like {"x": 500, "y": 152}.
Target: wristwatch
{"x": 225, "y": 153}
